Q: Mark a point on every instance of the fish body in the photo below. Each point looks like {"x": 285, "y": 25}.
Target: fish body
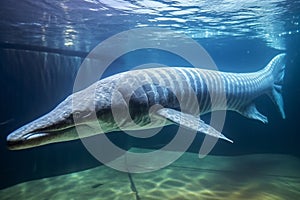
{"x": 154, "y": 97}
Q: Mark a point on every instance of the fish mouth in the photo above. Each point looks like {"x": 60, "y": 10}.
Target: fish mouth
{"x": 38, "y": 138}
{"x": 38, "y": 132}
{"x": 18, "y": 140}
{"x": 30, "y": 140}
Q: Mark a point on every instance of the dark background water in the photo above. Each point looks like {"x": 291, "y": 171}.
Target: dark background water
{"x": 42, "y": 45}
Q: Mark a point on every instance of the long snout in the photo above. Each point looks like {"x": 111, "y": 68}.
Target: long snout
{"x": 44, "y": 130}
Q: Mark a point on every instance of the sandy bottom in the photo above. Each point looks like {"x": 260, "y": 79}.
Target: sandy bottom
{"x": 258, "y": 177}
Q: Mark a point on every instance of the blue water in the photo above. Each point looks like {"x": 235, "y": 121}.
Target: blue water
{"x": 42, "y": 44}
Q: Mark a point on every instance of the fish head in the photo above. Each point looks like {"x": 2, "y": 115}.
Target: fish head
{"x": 77, "y": 113}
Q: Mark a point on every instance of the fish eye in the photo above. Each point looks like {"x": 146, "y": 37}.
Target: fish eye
{"x": 80, "y": 114}
{"x": 76, "y": 114}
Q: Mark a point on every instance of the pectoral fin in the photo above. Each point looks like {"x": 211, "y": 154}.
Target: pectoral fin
{"x": 190, "y": 122}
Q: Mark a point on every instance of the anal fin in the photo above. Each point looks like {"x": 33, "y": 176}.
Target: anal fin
{"x": 190, "y": 122}
{"x": 251, "y": 112}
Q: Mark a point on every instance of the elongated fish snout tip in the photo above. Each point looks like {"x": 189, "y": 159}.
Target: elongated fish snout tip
{"x": 14, "y": 143}
{"x": 20, "y": 139}
{"x": 29, "y": 141}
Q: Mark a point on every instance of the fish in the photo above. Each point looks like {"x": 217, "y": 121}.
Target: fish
{"x": 154, "y": 97}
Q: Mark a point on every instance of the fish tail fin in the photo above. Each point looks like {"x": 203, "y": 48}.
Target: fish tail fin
{"x": 276, "y": 67}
